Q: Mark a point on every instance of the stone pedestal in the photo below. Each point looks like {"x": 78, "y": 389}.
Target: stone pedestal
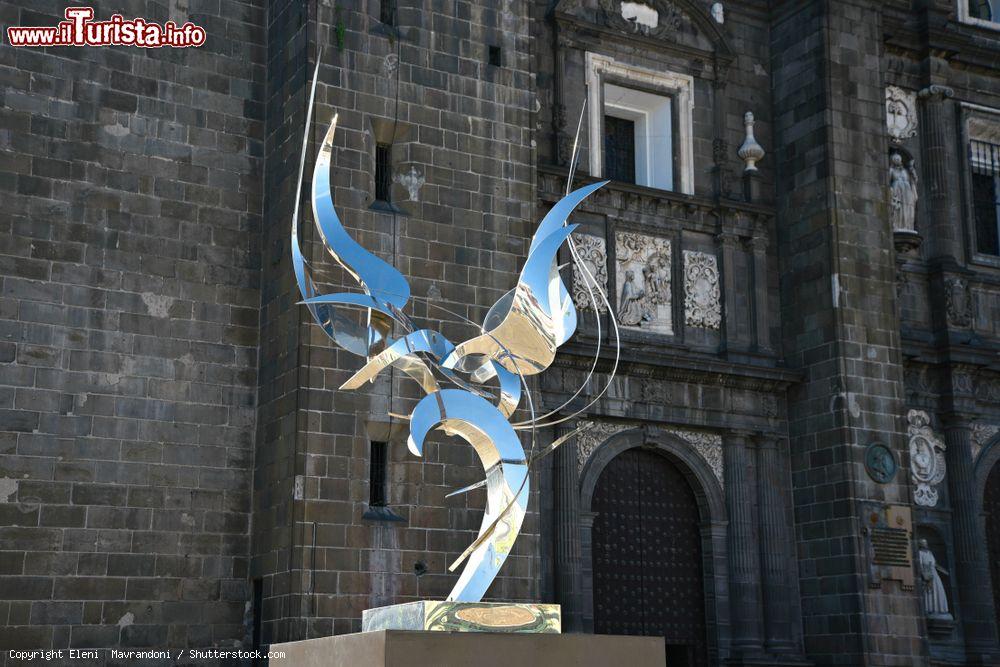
{"x": 397, "y": 648}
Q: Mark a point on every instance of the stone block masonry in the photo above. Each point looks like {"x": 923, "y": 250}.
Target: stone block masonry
{"x": 129, "y": 299}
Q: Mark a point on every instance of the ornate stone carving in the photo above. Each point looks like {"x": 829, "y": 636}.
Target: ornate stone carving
{"x": 750, "y": 152}
{"x": 702, "y": 307}
{"x": 903, "y": 191}
{"x": 718, "y": 13}
{"x": 958, "y": 301}
{"x": 651, "y": 18}
{"x": 594, "y": 255}
{"x": 900, "y": 113}
{"x": 981, "y": 435}
{"x": 708, "y": 446}
{"x": 927, "y": 467}
{"x": 642, "y": 272}
{"x": 596, "y": 433}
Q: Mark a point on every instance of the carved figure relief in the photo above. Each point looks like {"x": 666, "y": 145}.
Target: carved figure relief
{"x": 900, "y": 113}
{"x": 957, "y": 301}
{"x": 927, "y": 467}
{"x": 594, "y": 255}
{"x": 642, "y": 271}
{"x": 903, "y": 192}
{"x": 652, "y": 18}
{"x": 702, "y": 307}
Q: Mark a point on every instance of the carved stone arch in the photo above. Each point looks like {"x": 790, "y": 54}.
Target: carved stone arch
{"x": 987, "y": 463}
{"x": 709, "y": 493}
{"x": 710, "y": 498}
{"x": 987, "y": 458}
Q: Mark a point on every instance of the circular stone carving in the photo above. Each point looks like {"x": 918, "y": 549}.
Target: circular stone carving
{"x": 880, "y": 463}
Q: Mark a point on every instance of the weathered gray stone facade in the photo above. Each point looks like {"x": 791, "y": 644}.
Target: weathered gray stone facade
{"x": 177, "y": 465}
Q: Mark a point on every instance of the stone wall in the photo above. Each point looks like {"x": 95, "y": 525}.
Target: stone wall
{"x": 131, "y": 188}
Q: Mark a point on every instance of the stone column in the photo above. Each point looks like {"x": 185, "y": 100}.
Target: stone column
{"x": 941, "y": 169}
{"x": 774, "y": 547}
{"x": 971, "y": 565}
{"x": 568, "y": 579}
{"x": 743, "y": 553}
{"x": 762, "y": 321}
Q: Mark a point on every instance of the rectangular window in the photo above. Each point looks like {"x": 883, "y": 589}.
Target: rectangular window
{"x": 619, "y": 149}
{"x": 383, "y": 172}
{"x": 378, "y": 468}
{"x": 984, "y": 10}
{"x": 387, "y": 12}
{"x": 495, "y": 56}
{"x": 638, "y": 137}
{"x": 984, "y": 160}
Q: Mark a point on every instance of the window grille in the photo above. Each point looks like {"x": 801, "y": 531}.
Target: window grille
{"x": 984, "y": 161}
{"x": 383, "y": 172}
{"x": 387, "y": 12}
{"x": 378, "y": 474}
{"x": 619, "y": 149}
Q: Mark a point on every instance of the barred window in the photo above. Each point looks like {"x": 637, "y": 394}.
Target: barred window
{"x": 383, "y": 172}
{"x": 378, "y": 468}
{"x": 984, "y": 161}
{"x": 619, "y": 149}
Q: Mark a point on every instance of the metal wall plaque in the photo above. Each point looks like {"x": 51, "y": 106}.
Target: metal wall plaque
{"x": 880, "y": 463}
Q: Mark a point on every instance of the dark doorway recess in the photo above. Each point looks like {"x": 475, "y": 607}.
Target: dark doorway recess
{"x": 647, "y": 556}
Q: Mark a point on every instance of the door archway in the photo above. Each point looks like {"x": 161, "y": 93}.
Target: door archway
{"x": 647, "y": 555}
{"x": 991, "y": 508}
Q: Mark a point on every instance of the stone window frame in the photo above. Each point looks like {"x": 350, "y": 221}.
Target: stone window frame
{"x": 964, "y": 17}
{"x": 603, "y": 69}
{"x": 968, "y": 111}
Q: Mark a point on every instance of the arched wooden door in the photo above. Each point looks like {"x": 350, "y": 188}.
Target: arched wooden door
{"x": 991, "y": 506}
{"x": 647, "y": 556}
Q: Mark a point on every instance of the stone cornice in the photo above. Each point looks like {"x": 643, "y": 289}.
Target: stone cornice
{"x": 643, "y": 200}
{"x": 644, "y": 362}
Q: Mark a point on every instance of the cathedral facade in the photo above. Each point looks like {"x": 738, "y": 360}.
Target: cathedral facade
{"x": 795, "y": 461}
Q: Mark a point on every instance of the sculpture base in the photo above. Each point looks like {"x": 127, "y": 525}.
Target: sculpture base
{"x": 442, "y": 616}
{"x": 906, "y": 240}
{"x": 393, "y": 648}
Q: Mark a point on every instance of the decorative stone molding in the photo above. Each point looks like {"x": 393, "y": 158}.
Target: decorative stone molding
{"x": 679, "y": 86}
{"x": 702, "y": 306}
{"x": 642, "y": 275}
{"x": 900, "y": 113}
{"x": 594, "y": 255}
{"x": 927, "y": 466}
{"x": 981, "y": 435}
{"x": 412, "y": 181}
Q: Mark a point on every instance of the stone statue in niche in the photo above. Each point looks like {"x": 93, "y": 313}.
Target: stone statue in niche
{"x": 903, "y": 189}
{"x": 631, "y": 308}
{"x": 935, "y": 600}
{"x": 957, "y": 302}
{"x": 719, "y": 13}
{"x": 643, "y": 274}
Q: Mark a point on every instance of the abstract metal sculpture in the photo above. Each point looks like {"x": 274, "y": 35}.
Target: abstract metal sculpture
{"x": 518, "y": 338}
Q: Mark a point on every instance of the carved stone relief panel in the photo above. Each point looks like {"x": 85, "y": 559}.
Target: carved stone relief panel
{"x": 927, "y": 467}
{"x": 594, "y": 255}
{"x": 708, "y": 446}
{"x": 642, "y": 275}
{"x": 702, "y": 306}
{"x": 900, "y": 113}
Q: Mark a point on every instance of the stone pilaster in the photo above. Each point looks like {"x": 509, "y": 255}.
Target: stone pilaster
{"x": 729, "y": 245}
{"x": 744, "y": 561}
{"x": 762, "y": 319}
{"x": 565, "y": 473}
{"x": 774, "y": 548}
{"x": 975, "y": 596}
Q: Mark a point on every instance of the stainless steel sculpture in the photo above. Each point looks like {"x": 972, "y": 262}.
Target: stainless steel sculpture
{"x": 519, "y": 338}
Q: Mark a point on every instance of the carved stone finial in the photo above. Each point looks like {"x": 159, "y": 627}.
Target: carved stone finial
{"x": 750, "y": 152}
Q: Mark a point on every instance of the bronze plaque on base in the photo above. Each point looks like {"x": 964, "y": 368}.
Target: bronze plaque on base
{"x": 443, "y": 616}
